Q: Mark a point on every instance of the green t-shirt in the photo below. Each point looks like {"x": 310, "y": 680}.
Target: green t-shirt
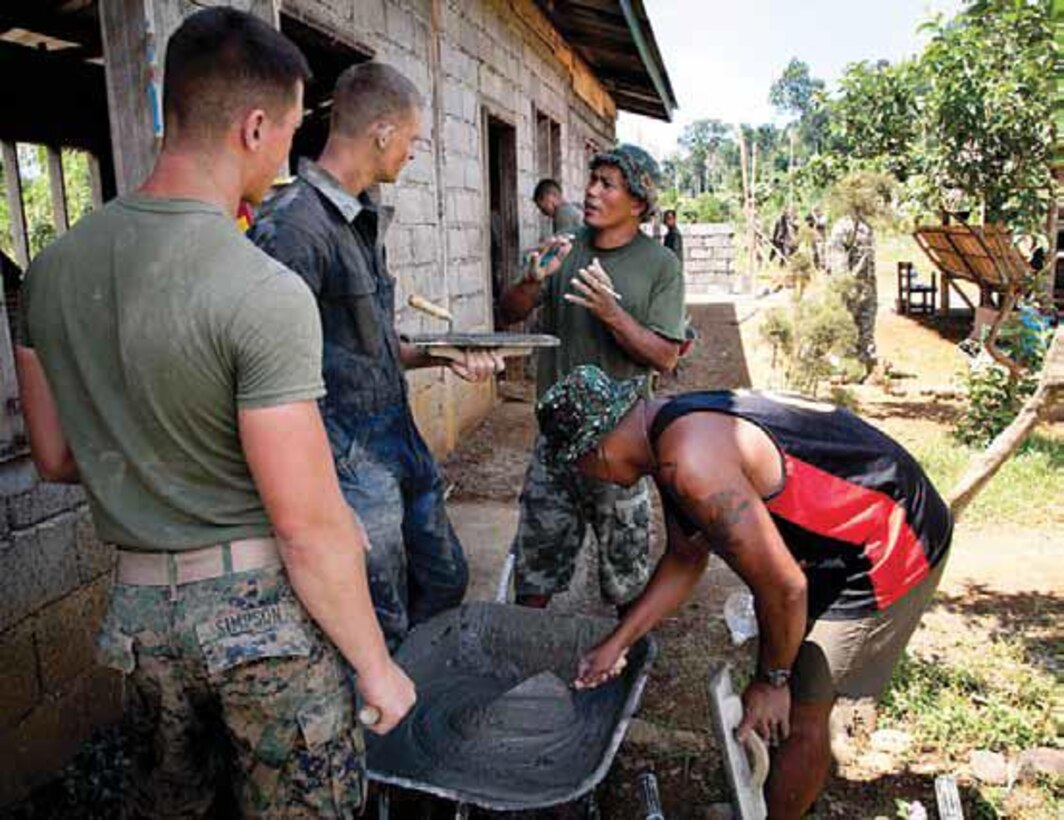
{"x": 155, "y": 320}
{"x": 568, "y": 218}
{"x": 645, "y": 274}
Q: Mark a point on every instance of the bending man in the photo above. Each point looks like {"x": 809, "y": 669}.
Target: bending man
{"x": 833, "y": 526}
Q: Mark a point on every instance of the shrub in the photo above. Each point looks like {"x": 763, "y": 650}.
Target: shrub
{"x": 814, "y": 340}
{"x": 993, "y": 397}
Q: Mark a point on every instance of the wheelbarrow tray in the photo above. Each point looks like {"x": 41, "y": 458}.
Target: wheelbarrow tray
{"x": 462, "y": 649}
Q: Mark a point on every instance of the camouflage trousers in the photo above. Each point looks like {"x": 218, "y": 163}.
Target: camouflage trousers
{"x": 862, "y": 307}
{"x": 558, "y": 505}
{"x": 237, "y": 705}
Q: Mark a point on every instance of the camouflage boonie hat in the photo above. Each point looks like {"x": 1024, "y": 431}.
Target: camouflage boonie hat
{"x": 577, "y": 411}
{"x": 640, "y": 171}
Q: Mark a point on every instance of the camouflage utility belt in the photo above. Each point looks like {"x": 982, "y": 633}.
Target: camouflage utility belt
{"x": 171, "y": 569}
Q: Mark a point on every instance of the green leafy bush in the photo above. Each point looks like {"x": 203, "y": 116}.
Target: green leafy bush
{"x": 814, "y": 339}
{"x": 993, "y": 397}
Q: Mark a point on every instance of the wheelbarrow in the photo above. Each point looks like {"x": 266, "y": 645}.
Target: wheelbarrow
{"x": 496, "y": 724}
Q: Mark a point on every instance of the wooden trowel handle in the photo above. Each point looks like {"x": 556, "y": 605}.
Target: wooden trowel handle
{"x": 369, "y": 715}
{"x": 432, "y": 309}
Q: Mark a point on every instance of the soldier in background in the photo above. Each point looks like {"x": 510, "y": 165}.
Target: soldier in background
{"x": 566, "y": 217}
{"x": 852, "y": 252}
{"x": 673, "y": 238}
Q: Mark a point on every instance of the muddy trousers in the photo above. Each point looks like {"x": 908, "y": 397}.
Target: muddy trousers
{"x": 558, "y": 509}
{"x": 236, "y": 704}
{"x": 389, "y": 478}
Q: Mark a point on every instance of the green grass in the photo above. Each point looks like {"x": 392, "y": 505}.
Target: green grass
{"x": 1027, "y": 491}
{"x": 998, "y": 700}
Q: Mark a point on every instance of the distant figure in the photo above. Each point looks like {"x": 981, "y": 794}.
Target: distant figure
{"x": 852, "y": 252}
{"x": 785, "y": 235}
{"x": 818, "y": 224}
{"x": 673, "y": 238}
{"x": 548, "y": 197}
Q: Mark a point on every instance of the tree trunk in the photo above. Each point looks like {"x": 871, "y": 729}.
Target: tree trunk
{"x": 1008, "y": 441}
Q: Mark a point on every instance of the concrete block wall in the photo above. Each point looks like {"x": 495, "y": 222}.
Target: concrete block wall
{"x": 709, "y": 257}
{"x": 54, "y": 580}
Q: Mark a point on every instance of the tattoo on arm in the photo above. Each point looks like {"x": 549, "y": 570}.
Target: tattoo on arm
{"x": 721, "y": 511}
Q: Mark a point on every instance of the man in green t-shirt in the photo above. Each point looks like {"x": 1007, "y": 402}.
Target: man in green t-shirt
{"x": 173, "y": 368}
{"x": 565, "y": 216}
{"x": 615, "y": 299}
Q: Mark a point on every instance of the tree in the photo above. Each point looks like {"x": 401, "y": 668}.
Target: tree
{"x": 968, "y": 123}
{"x": 795, "y": 91}
{"x": 988, "y": 78}
{"x": 703, "y": 141}
{"x": 798, "y": 93}
{"x": 876, "y": 115}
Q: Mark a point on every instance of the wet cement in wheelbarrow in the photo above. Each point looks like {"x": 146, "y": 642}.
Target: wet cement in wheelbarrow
{"x": 496, "y": 722}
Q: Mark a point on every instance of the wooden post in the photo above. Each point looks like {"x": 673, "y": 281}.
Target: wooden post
{"x": 132, "y": 50}
{"x": 748, "y": 207}
{"x": 19, "y": 238}
{"x": 95, "y": 182}
{"x": 58, "y": 186}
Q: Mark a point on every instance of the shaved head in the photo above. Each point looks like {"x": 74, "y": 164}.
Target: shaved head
{"x": 222, "y": 63}
{"x": 371, "y": 92}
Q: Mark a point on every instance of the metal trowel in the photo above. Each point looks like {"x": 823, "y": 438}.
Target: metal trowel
{"x": 746, "y": 764}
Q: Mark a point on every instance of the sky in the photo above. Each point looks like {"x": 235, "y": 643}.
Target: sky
{"x": 722, "y": 57}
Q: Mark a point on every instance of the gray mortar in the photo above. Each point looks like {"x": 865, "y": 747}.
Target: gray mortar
{"x": 495, "y": 723}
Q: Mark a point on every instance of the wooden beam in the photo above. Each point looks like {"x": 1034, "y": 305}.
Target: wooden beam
{"x": 57, "y": 183}
{"x": 19, "y": 236}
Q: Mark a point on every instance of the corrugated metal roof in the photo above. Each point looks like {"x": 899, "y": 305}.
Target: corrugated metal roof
{"x": 615, "y": 38}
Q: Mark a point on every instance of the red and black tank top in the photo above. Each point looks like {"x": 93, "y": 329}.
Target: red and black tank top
{"x": 855, "y": 509}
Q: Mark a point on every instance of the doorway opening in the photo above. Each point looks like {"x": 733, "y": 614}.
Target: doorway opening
{"x": 328, "y": 58}
{"x": 501, "y": 172}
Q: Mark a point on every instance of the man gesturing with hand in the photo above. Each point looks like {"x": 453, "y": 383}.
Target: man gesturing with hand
{"x": 615, "y": 299}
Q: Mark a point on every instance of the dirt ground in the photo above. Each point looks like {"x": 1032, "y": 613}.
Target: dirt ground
{"x": 1001, "y": 579}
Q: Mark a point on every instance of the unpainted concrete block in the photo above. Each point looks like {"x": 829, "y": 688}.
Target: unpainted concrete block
{"x": 41, "y": 744}
{"x": 42, "y": 502}
{"x": 95, "y": 558}
{"x": 19, "y": 682}
{"x": 66, "y": 633}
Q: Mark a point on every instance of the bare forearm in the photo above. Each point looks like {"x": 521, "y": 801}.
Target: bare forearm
{"x": 673, "y": 580}
{"x": 781, "y": 620}
{"x": 330, "y": 581}
{"x": 48, "y": 443}
{"x": 642, "y": 344}
{"x": 520, "y": 300}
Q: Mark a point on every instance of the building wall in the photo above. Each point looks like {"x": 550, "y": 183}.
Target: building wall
{"x": 467, "y": 57}
{"x": 54, "y": 580}
{"x": 709, "y": 257}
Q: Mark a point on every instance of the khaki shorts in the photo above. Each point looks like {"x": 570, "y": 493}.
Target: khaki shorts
{"x": 855, "y": 658}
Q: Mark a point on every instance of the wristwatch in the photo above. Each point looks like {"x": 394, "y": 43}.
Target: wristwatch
{"x": 777, "y": 678}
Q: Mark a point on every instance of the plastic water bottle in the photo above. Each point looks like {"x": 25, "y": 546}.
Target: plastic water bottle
{"x": 740, "y": 617}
